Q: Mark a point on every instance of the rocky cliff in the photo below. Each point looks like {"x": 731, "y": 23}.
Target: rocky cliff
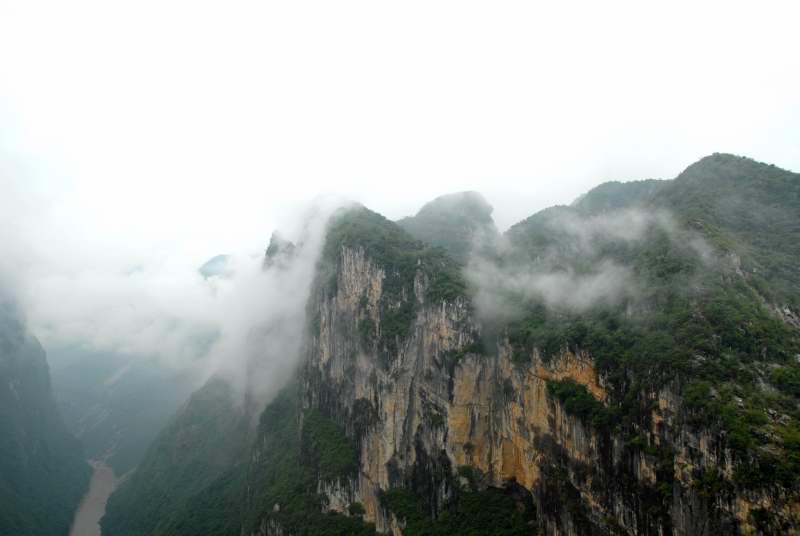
{"x": 626, "y": 365}
{"x": 438, "y": 417}
{"x": 442, "y": 408}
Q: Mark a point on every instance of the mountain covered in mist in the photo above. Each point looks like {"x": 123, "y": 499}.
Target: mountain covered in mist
{"x": 114, "y": 404}
{"x": 628, "y": 364}
{"x": 43, "y": 474}
{"x": 455, "y": 222}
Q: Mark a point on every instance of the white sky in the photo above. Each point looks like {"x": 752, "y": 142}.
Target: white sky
{"x": 167, "y": 127}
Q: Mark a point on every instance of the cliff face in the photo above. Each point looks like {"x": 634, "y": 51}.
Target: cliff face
{"x": 42, "y": 471}
{"x": 438, "y": 416}
{"x": 393, "y": 406}
{"x": 626, "y": 365}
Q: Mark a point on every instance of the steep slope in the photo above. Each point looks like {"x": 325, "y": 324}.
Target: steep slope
{"x": 43, "y": 474}
{"x": 648, "y": 405}
{"x": 303, "y": 471}
{"x": 697, "y": 333}
{"x": 614, "y": 195}
{"x": 615, "y": 367}
{"x": 115, "y": 405}
{"x": 755, "y": 210}
{"x": 203, "y": 441}
{"x": 454, "y": 222}
{"x": 200, "y": 460}
{"x": 387, "y": 312}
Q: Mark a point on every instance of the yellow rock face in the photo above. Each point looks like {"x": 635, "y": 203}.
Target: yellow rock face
{"x": 493, "y": 411}
{"x": 500, "y": 409}
{"x": 578, "y": 368}
{"x": 487, "y": 412}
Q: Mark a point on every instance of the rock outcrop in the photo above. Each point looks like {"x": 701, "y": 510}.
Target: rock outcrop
{"x": 439, "y": 408}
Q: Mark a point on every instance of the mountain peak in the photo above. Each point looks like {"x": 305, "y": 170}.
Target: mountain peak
{"x": 452, "y": 221}
{"x": 725, "y": 166}
{"x": 217, "y": 266}
{"x": 279, "y": 251}
{"x": 616, "y": 195}
{"x": 458, "y": 203}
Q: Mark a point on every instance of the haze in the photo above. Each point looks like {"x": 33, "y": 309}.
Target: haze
{"x": 137, "y": 140}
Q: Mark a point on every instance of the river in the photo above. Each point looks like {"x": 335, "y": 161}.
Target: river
{"x": 93, "y": 505}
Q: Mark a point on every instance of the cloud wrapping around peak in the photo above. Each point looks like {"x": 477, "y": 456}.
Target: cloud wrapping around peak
{"x": 570, "y": 270}
{"x": 244, "y": 323}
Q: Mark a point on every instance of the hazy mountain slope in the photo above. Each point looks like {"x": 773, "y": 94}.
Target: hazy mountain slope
{"x": 613, "y": 367}
{"x": 203, "y": 440}
{"x": 756, "y": 209}
{"x": 43, "y": 474}
{"x": 697, "y": 325}
{"x": 454, "y": 222}
{"x": 652, "y": 351}
{"x": 616, "y": 195}
{"x": 302, "y": 456}
{"x": 115, "y": 405}
{"x": 217, "y": 266}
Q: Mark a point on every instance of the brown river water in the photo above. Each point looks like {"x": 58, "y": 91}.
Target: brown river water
{"x": 93, "y": 505}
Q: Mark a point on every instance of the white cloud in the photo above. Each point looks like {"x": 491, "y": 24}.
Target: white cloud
{"x": 138, "y": 139}
{"x": 203, "y": 109}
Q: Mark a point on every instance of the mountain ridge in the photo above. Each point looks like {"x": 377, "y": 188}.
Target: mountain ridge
{"x": 644, "y": 412}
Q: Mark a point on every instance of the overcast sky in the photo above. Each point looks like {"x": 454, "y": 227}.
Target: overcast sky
{"x": 160, "y": 129}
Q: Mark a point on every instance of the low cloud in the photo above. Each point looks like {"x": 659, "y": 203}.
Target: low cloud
{"x": 244, "y": 324}
{"x": 505, "y": 278}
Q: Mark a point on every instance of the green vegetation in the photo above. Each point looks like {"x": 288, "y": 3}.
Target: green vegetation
{"x": 699, "y": 310}
{"x": 325, "y": 442}
{"x": 43, "y": 474}
{"x": 697, "y": 315}
{"x": 757, "y": 206}
{"x": 366, "y": 331}
{"x": 137, "y": 406}
{"x": 579, "y": 401}
{"x": 615, "y": 195}
{"x": 199, "y": 446}
{"x": 356, "y": 509}
{"x": 433, "y": 415}
{"x": 401, "y": 257}
{"x": 485, "y": 513}
{"x": 216, "y": 509}
{"x": 477, "y": 347}
{"x": 284, "y": 481}
{"x": 280, "y": 485}
{"x": 452, "y": 222}
{"x": 787, "y": 379}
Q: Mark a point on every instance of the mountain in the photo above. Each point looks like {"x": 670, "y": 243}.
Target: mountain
{"x": 454, "y": 222}
{"x": 201, "y": 442}
{"x": 217, "y": 266}
{"x": 753, "y": 209}
{"x": 115, "y": 405}
{"x": 629, "y": 364}
{"x": 43, "y": 474}
{"x": 615, "y": 195}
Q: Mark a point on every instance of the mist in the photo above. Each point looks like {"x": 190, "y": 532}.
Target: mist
{"x": 244, "y": 323}
{"x": 126, "y": 164}
{"x": 503, "y": 277}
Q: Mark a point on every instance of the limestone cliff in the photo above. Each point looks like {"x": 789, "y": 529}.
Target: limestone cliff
{"x": 422, "y": 415}
{"x": 670, "y": 408}
{"x": 626, "y": 365}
